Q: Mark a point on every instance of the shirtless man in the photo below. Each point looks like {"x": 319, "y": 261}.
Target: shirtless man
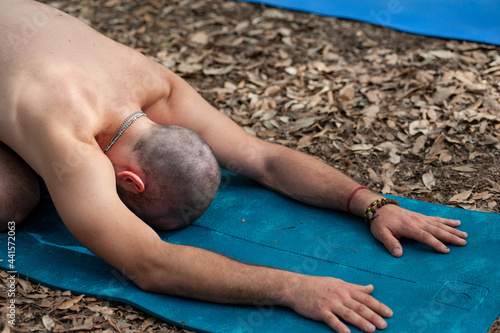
{"x": 66, "y": 89}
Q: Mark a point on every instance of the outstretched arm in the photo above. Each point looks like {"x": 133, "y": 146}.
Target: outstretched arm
{"x": 84, "y": 194}
{"x": 312, "y": 181}
{"x": 296, "y": 174}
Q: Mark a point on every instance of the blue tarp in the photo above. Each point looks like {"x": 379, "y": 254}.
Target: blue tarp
{"x": 477, "y": 20}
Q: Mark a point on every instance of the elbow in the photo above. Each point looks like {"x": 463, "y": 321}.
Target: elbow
{"x": 142, "y": 275}
{"x": 146, "y": 283}
{"x": 148, "y": 279}
{"x": 151, "y": 276}
{"x": 269, "y": 166}
{"x": 157, "y": 271}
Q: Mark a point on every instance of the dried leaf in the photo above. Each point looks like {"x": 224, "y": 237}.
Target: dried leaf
{"x": 441, "y": 54}
{"x": 438, "y": 145}
{"x": 419, "y": 126}
{"x": 373, "y": 96}
{"x": 392, "y": 148}
{"x": 291, "y": 70}
{"x": 429, "y": 180}
{"x": 361, "y": 147}
{"x": 494, "y": 186}
{"x": 419, "y": 144}
{"x": 302, "y": 123}
{"x": 199, "y": 37}
{"x": 25, "y": 285}
{"x": 465, "y": 168}
{"x": 69, "y": 303}
{"x": 424, "y": 77}
{"x": 148, "y": 322}
{"x": 48, "y": 322}
{"x": 113, "y": 324}
{"x": 445, "y": 157}
{"x": 481, "y": 196}
{"x": 218, "y": 71}
{"x": 461, "y": 197}
{"x": 272, "y": 90}
{"x": 370, "y": 114}
{"x": 442, "y": 94}
{"x": 100, "y": 309}
{"x": 189, "y": 68}
{"x": 45, "y": 303}
{"x": 276, "y": 14}
{"x": 373, "y": 175}
{"x": 346, "y": 94}
{"x": 304, "y": 141}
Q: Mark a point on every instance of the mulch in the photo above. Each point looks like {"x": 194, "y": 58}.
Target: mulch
{"x": 408, "y": 115}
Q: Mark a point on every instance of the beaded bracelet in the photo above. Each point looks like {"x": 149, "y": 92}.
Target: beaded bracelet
{"x": 370, "y": 211}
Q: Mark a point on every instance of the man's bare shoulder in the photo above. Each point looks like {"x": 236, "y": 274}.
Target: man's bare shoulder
{"x": 61, "y": 77}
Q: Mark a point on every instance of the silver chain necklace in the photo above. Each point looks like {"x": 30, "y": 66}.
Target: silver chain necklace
{"x": 123, "y": 127}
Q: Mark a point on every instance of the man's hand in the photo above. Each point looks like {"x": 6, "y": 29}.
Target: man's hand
{"x": 392, "y": 222}
{"x": 328, "y": 299}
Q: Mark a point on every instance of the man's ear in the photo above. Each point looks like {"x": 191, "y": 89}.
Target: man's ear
{"x": 130, "y": 181}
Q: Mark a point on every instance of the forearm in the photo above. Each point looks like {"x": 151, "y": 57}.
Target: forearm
{"x": 311, "y": 181}
{"x": 196, "y": 273}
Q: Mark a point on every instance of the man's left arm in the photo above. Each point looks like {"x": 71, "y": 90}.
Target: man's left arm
{"x": 309, "y": 180}
{"x": 296, "y": 174}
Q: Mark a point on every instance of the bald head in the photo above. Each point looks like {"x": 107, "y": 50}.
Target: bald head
{"x": 182, "y": 177}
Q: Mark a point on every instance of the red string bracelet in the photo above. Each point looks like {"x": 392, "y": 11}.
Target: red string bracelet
{"x": 352, "y": 195}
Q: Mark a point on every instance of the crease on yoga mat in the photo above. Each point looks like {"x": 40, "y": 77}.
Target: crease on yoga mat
{"x": 309, "y": 256}
{"x": 440, "y": 293}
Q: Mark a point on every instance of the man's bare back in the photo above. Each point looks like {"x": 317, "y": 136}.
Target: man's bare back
{"x": 58, "y": 79}
{"x": 65, "y": 89}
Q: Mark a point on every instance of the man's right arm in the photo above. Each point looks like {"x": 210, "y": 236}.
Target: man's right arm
{"x": 85, "y": 197}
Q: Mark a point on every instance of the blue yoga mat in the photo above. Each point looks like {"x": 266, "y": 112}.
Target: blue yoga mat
{"x": 428, "y": 291}
{"x": 477, "y": 20}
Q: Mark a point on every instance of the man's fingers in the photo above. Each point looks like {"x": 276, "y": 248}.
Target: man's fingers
{"x": 451, "y": 223}
{"x": 390, "y": 242}
{"x": 433, "y": 231}
{"x": 448, "y": 234}
{"x": 367, "y": 319}
{"x": 454, "y": 231}
{"x": 353, "y": 313}
{"x": 345, "y": 303}
{"x": 451, "y": 234}
{"x": 428, "y": 239}
{"x": 331, "y": 320}
{"x": 358, "y": 312}
{"x": 377, "y": 306}
{"x": 368, "y": 289}
{"x": 364, "y": 311}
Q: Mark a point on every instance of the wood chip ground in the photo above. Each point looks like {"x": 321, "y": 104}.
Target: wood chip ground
{"x": 408, "y": 115}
